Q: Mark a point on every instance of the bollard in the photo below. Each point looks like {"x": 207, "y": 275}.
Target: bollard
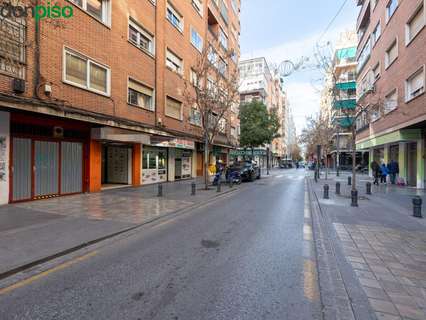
{"x": 193, "y": 188}
{"x": 326, "y": 189}
{"x": 417, "y": 207}
{"x": 354, "y": 198}
{"x": 160, "y": 190}
{"x": 218, "y": 185}
{"x": 338, "y": 188}
{"x": 231, "y": 183}
{"x": 349, "y": 181}
{"x": 316, "y": 177}
{"x": 368, "y": 186}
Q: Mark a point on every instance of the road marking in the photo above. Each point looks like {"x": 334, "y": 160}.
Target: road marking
{"x": 279, "y": 176}
{"x": 46, "y": 273}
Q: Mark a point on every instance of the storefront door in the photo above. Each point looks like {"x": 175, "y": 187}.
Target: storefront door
{"x": 154, "y": 165}
{"x": 42, "y": 168}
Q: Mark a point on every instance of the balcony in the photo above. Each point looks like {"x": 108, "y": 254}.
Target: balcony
{"x": 346, "y": 85}
{"x": 345, "y": 104}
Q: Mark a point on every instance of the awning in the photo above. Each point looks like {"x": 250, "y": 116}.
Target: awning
{"x": 393, "y": 137}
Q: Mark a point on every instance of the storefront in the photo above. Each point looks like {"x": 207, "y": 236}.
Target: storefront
{"x": 154, "y": 165}
{"x": 183, "y": 164}
{"x": 47, "y": 157}
{"x": 116, "y": 164}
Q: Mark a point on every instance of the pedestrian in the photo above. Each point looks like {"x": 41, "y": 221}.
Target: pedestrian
{"x": 376, "y": 171}
{"x": 383, "y": 173}
{"x": 393, "y": 169}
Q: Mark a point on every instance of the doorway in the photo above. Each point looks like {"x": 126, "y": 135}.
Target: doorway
{"x": 116, "y": 165}
{"x": 412, "y": 164}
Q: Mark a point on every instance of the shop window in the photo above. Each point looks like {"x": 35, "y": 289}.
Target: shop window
{"x": 173, "y": 108}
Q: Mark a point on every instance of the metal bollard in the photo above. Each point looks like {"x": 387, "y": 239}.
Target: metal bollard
{"x": 231, "y": 183}
{"x": 160, "y": 190}
{"x": 218, "y": 186}
{"x": 349, "y": 181}
{"x": 326, "y": 189}
{"x": 316, "y": 177}
{"x": 338, "y": 188}
{"x": 417, "y": 207}
{"x": 368, "y": 186}
{"x": 193, "y": 188}
{"x": 354, "y": 198}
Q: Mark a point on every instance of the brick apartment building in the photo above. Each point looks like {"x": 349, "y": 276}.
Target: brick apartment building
{"x": 97, "y": 100}
{"x": 391, "y": 80}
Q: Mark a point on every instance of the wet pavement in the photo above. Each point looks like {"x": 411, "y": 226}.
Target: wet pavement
{"x": 248, "y": 256}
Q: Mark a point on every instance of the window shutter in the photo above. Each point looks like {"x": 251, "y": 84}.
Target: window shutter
{"x": 173, "y": 108}
{"x": 140, "y": 88}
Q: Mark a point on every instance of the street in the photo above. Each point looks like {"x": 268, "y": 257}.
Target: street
{"x": 248, "y": 256}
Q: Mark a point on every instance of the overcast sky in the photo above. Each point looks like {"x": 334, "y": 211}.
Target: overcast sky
{"x": 288, "y": 30}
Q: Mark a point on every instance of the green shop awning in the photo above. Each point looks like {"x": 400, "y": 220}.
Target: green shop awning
{"x": 346, "y": 85}
{"x": 393, "y": 137}
{"x": 345, "y": 104}
{"x": 346, "y": 122}
{"x": 346, "y": 53}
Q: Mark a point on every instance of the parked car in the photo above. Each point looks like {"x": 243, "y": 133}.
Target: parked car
{"x": 249, "y": 170}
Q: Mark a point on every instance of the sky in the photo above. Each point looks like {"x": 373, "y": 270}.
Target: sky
{"x": 288, "y": 30}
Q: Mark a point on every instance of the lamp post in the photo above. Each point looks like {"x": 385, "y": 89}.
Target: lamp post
{"x": 318, "y": 160}
{"x": 267, "y": 160}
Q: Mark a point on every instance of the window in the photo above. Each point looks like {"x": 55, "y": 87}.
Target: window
{"x": 195, "y": 117}
{"x": 223, "y": 39}
{"x": 173, "y": 108}
{"x": 212, "y": 56}
{"x": 221, "y": 125}
{"x": 391, "y": 101}
{"x": 415, "y": 85}
{"x": 100, "y": 9}
{"x": 222, "y": 67}
{"x": 174, "y": 62}
{"x": 391, "y": 8}
{"x": 376, "y": 72}
{"x": 415, "y": 25}
{"x": 375, "y": 35}
{"x": 374, "y": 115}
{"x": 234, "y": 132}
{"x": 391, "y": 54}
{"x": 234, "y": 5}
{"x": 175, "y": 18}
{"x": 193, "y": 78}
{"x": 364, "y": 55}
{"x": 140, "y": 95}
{"x": 198, "y": 6}
{"x": 223, "y": 11}
{"x": 196, "y": 39}
{"x": 85, "y": 73}
{"x": 141, "y": 38}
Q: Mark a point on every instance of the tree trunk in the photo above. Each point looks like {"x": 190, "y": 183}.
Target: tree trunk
{"x": 206, "y": 161}
{"x": 326, "y": 165}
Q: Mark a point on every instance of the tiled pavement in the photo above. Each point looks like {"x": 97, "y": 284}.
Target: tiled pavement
{"x": 383, "y": 245}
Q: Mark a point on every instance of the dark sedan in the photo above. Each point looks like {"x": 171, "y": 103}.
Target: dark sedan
{"x": 249, "y": 170}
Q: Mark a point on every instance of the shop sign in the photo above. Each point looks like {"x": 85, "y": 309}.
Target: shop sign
{"x": 176, "y": 143}
{"x": 247, "y": 152}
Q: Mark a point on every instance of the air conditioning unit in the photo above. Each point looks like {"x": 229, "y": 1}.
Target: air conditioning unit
{"x": 18, "y": 85}
{"x": 58, "y": 132}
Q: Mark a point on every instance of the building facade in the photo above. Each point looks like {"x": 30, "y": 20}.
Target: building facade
{"x": 96, "y": 100}
{"x": 343, "y": 82}
{"x": 391, "y": 82}
{"x": 258, "y": 83}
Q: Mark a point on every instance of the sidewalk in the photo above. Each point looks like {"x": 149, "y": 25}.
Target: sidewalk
{"x": 383, "y": 247}
{"x": 36, "y": 230}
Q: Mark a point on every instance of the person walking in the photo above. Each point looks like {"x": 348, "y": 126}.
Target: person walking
{"x": 376, "y": 172}
{"x": 393, "y": 169}
{"x": 383, "y": 173}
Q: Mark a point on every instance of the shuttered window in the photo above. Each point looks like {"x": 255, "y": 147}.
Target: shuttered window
{"x": 391, "y": 53}
{"x": 415, "y": 85}
{"x": 174, "y": 62}
{"x": 416, "y": 23}
{"x": 140, "y": 95}
{"x": 173, "y": 108}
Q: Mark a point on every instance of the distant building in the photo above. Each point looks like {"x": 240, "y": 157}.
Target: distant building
{"x": 259, "y": 83}
{"x": 391, "y": 80}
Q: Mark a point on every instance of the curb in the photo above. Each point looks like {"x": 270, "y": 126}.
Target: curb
{"x": 59, "y": 254}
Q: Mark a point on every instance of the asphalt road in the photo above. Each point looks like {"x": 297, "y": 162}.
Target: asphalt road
{"x": 248, "y": 256}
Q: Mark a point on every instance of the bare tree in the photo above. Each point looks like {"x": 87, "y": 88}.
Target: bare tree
{"x": 211, "y": 92}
